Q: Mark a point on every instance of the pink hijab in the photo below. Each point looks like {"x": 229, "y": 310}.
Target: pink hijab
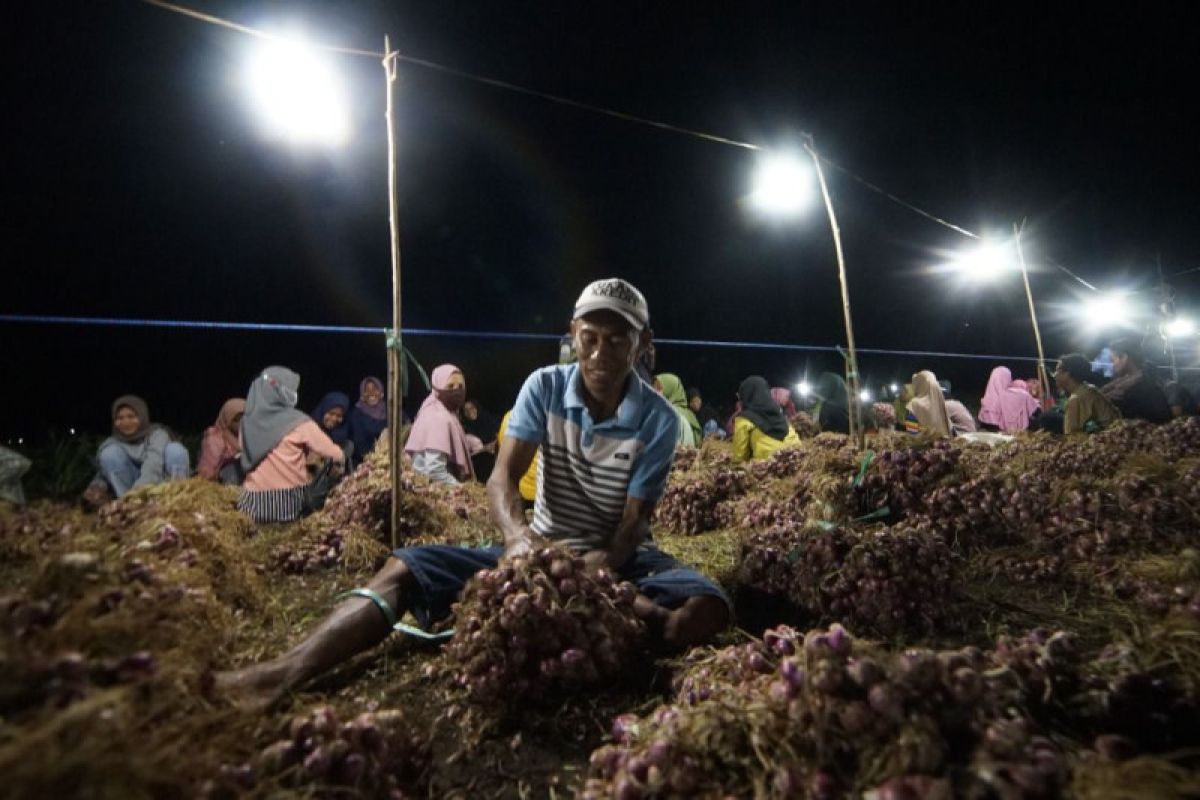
{"x": 438, "y": 428}
{"x": 783, "y": 399}
{"x": 1006, "y": 407}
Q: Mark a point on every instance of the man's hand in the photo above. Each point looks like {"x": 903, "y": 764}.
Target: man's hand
{"x": 504, "y": 496}
{"x": 599, "y": 558}
{"x": 520, "y": 545}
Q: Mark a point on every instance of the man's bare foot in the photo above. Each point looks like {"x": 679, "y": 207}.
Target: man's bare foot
{"x": 254, "y": 688}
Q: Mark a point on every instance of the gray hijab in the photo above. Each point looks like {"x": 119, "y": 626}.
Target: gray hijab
{"x": 270, "y": 413}
{"x": 138, "y": 406}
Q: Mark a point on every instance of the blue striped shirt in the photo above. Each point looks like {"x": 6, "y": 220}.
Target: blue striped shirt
{"x": 587, "y": 469}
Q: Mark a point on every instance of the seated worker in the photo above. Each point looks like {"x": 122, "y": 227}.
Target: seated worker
{"x": 1087, "y": 409}
{"x": 961, "y": 420}
{"x": 276, "y": 443}
{"x": 760, "y": 428}
{"x": 527, "y": 486}
{"x": 1133, "y": 391}
{"x": 137, "y": 453}
{"x": 368, "y": 418}
{"x": 592, "y": 417}
{"x": 705, "y": 414}
{"x": 437, "y": 443}
{"x": 669, "y": 386}
{"x": 220, "y": 447}
{"x": 926, "y": 411}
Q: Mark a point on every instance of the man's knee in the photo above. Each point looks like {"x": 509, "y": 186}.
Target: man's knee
{"x": 697, "y": 621}
{"x": 394, "y": 576}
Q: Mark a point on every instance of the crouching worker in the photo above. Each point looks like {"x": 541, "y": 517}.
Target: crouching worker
{"x": 276, "y": 442}
{"x": 137, "y": 453}
{"x": 607, "y": 440}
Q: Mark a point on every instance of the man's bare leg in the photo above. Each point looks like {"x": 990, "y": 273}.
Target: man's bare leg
{"x": 696, "y": 622}
{"x": 353, "y": 626}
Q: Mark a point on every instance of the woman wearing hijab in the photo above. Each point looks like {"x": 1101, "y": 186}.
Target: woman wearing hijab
{"x": 927, "y": 409}
{"x": 835, "y": 403}
{"x": 1005, "y": 407}
{"x": 690, "y": 432}
{"x": 706, "y": 415}
{"x": 481, "y": 428}
{"x": 760, "y": 428}
{"x": 368, "y": 418}
{"x": 220, "y": 447}
{"x": 138, "y": 453}
{"x": 276, "y": 442}
{"x": 783, "y": 398}
{"x": 330, "y": 416}
{"x": 437, "y": 442}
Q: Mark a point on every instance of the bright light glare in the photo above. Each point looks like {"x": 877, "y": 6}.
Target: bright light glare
{"x": 803, "y": 389}
{"x": 1106, "y": 310}
{"x": 865, "y": 395}
{"x": 783, "y": 186}
{"x": 895, "y": 387}
{"x": 296, "y": 93}
{"x": 1178, "y": 328}
{"x": 984, "y": 263}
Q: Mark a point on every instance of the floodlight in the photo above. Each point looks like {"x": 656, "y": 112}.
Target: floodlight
{"x": 803, "y": 389}
{"x": 984, "y": 263}
{"x": 865, "y": 395}
{"x": 1106, "y": 310}
{"x": 1180, "y": 327}
{"x": 297, "y": 94}
{"x": 783, "y": 186}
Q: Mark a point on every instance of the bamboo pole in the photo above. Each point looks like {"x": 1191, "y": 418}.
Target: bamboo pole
{"x": 1166, "y": 314}
{"x": 1043, "y": 376}
{"x": 395, "y": 350}
{"x": 852, "y": 377}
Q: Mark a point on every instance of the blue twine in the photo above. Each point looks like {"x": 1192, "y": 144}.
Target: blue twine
{"x": 362, "y": 329}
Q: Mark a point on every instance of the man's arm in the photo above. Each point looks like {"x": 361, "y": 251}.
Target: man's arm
{"x": 632, "y": 530}
{"x": 504, "y": 494}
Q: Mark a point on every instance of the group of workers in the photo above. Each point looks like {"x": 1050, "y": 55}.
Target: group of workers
{"x": 580, "y": 460}
{"x": 286, "y": 461}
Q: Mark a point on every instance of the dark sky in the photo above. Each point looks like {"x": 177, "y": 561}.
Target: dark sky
{"x": 137, "y": 185}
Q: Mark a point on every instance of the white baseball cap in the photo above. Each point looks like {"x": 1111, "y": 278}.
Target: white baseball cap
{"x": 614, "y": 294}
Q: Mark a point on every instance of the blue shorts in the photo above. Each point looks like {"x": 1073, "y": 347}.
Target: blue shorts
{"x": 441, "y": 571}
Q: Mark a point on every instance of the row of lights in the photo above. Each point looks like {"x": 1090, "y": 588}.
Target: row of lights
{"x": 21, "y": 439}
{"x": 805, "y": 390}
{"x": 990, "y": 261}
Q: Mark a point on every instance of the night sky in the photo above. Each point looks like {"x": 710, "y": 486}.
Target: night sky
{"x": 137, "y": 185}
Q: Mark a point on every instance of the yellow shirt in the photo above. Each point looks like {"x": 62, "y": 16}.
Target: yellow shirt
{"x": 749, "y": 443}
{"x": 528, "y": 483}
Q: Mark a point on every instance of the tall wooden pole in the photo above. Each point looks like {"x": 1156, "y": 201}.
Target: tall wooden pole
{"x": 395, "y": 350}
{"x": 852, "y": 378}
{"x": 1043, "y": 377}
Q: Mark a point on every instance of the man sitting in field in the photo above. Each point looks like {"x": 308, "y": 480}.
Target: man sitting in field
{"x": 607, "y": 441}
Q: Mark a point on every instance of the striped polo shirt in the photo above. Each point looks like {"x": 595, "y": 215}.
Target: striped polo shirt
{"x": 587, "y": 469}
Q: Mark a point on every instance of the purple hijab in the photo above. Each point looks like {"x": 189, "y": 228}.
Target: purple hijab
{"x": 377, "y": 411}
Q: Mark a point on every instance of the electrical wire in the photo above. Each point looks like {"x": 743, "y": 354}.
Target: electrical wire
{"x": 595, "y": 109}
